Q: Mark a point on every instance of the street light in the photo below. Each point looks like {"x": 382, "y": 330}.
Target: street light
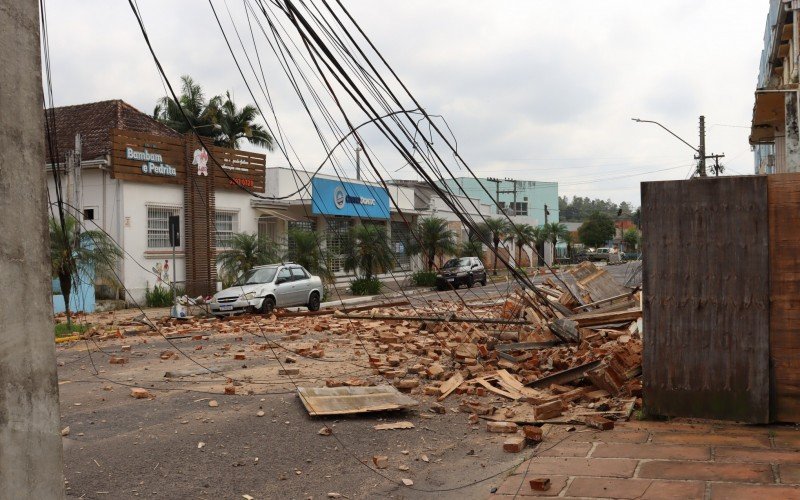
{"x": 639, "y": 120}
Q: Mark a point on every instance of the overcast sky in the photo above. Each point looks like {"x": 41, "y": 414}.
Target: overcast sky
{"x": 532, "y": 89}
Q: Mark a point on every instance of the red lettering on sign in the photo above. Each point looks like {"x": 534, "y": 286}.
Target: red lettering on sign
{"x": 238, "y": 181}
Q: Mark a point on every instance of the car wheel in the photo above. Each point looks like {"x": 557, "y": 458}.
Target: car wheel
{"x": 470, "y": 281}
{"x": 313, "y": 302}
{"x": 267, "y": 306}
{"x": 483, "y": 281}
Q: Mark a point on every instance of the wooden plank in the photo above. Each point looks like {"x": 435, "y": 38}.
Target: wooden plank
{"x": 450, "y": 386}
{"x": 706, "y": 298}
{"x": 784, "y": 310}
{"x": 562, "y": 377}
{"x": 351, "y": 400}
{"x": 599, "y": 318}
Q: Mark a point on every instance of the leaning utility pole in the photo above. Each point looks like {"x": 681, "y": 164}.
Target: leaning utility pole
{"x": 30, "y": 441}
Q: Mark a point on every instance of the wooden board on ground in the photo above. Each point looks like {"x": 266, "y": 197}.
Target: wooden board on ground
{"x": 596, "y": 281}
{"x": 349, "y": 400}
{"x": 450, "y": 386}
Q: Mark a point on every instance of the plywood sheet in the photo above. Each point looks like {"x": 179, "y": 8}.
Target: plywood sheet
{"x": 784, "y": 318}
{"x": 349, "y": 400}
{"x": 706, "y": 298}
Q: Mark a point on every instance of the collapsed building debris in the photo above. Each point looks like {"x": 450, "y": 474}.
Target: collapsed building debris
{"x": 553, "y": 355}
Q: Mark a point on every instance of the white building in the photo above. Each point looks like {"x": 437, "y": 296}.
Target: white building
{"x": 135, "y": 173}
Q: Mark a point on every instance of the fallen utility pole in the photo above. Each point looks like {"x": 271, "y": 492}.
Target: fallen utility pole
{"x": 30, "y": 441}
{"x": 458, "y": 319}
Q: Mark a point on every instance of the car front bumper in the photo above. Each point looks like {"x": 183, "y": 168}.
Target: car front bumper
{"x": 448, "y": 281}
{"x": 236, "y": 307}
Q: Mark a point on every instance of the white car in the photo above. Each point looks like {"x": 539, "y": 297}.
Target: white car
{"x": 264, "y": 288}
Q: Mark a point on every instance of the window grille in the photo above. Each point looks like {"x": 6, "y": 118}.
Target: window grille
{"x": 158, "y": 226}
{"x": 227, "y": 224}
{"x": 302, "y": 225}
{"x": 336, "y": 239}
{"x": 400, "y": 237}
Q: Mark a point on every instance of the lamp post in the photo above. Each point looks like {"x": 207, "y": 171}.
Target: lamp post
{"x": 701, "y": 151}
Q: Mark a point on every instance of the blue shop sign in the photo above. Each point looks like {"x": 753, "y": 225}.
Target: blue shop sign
{"x": 330, "y": 197}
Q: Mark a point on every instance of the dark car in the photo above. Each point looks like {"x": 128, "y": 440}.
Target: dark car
{"x": 461, "y": 271}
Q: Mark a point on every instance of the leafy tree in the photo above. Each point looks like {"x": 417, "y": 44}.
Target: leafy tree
{"x": 580, "y": 208}
{"x": 598, "y": 229}
{"x": 201, "y": 112}
{"x": 75, "y": 254}
{"x": 499, "y": 230}
{"x": 432, "y": 237}
{"x": 636, "y": 217}
{"x": 236, "y": 124}
{"x": 246, "y": 252}
{"x": 306, "y": 250}
{"x": 524, "y": 234}
{"x": 631, "y": 239}
{"x": 367, "y": 250}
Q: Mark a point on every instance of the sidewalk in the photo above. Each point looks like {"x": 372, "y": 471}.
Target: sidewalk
{"x": 655, "y": 460}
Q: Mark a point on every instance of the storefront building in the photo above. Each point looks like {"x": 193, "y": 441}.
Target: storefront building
{"x": 330, "y": 206}
{"x": 133, "y": 173}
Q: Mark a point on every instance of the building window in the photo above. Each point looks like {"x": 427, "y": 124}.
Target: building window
{"x": 512, "y": 208}
{"x": 227, "y": 224}
{"x": 401, "y": 234}
{"x": 336, "y": 238}
{"x": 268, "y": 227}
{"x": 88, "y": 214}
{"x": 158, "y": 226}
{"x": 298, "y": 225}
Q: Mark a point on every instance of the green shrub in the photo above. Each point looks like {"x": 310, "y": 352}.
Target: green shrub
{"x": 63, "y": 330}
{"x": 424, "y": 278}
{"x": 364, "y": 286}
{"x": 160, "y": 296}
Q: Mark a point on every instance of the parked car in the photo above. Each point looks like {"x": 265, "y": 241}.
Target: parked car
{"x": 461, "y": 271}
{"x": 601, "y": 254}
{"x": 266, "y": 287}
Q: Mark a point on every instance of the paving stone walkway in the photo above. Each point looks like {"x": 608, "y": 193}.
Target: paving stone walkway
{"x": 664, "y": 460}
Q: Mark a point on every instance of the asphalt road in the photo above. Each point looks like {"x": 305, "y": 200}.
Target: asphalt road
{"x": 121, "y": 447}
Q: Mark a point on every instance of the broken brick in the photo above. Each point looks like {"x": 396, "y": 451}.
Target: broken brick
{"x": 501, "y": 427}
{"x": 514, "y": 444}
{"x": 540, "y": 484}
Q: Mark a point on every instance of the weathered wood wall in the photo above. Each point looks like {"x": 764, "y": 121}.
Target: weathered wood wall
{"x": 784, "y": 321}
{"x": 706, "y": 298}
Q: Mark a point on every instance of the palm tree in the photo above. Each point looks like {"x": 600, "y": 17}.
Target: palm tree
{"x": 306, "y": 250}
{"x": 76, "y": 254}
{"x": 246, "y": 251}
{"x": 524, "y": 234}
{"x": 472, "y": 247}
{"x": 367, "y": 250}
{"x": 236, "y": 124}
{"x": 499, "y": 230}
{"x": 431, "y": 237}
{"x": 555, "y": 231}
{"x": 201, "y": 113}
{"x": 540, "y": 236}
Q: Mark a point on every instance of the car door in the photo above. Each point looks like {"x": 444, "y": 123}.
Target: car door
{"x": 302, "y": 286}
{"x": 478, "y": 271}
{"x": 284, "y": 287}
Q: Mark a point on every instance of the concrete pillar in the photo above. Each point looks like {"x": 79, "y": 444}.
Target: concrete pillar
{"x": 792, "y": 133}
{"x": 30, "y": 441}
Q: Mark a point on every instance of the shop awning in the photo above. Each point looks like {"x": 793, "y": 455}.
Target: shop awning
{"x": 277, "y": 213}
{"x": 769, "y": 114}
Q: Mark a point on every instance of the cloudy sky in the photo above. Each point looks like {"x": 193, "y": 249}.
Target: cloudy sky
{"x": 532, "y": 89}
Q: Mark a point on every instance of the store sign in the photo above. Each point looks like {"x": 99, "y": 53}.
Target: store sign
{"x": 330, "y": 197}
{"x": 154, "y": 162}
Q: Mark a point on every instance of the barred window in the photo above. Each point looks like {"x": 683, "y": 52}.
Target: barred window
{"x": 227, "y": 223}
{"x": 401, "y": 234}
{"x": 336, "y": 239}
{"x": 302, "y": 225}
{"x": 158, "y": 226}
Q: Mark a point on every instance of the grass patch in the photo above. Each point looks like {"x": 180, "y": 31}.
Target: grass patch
{"x": 63, "y": 330}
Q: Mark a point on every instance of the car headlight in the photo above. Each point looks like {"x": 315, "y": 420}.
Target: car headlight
{"x": 213, "y": 299}
{"x": 249, "y": 296}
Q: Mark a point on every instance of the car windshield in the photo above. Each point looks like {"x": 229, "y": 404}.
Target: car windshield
{"x": 456, "y": 263}
{"x": 257, "y": 276}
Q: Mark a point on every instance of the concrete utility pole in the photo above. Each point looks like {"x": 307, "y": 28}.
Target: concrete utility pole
{"x": 358, "y": 162}
{"x": 702, "y": 150}
{"x": 30, "y": 441}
